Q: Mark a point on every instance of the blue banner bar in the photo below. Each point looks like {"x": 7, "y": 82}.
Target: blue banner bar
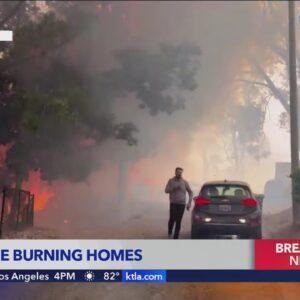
{"x": 144, "y": 276}
{"x": 60, "y": 276}
{"x": 232, "y": 276}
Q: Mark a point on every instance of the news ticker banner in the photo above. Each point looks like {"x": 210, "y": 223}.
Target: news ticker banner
{"x": 149, "y": 261}
{"x": 148, "y": 276}
{"x": 126, "y": 254}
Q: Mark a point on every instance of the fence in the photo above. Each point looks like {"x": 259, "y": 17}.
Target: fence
{"x": 17, "y": 209}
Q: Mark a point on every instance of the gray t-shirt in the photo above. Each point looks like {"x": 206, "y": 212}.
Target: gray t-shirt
{"x": 177, "y": 188}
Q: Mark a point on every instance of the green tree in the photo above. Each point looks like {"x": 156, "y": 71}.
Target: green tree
{"x": 50, "y": 117}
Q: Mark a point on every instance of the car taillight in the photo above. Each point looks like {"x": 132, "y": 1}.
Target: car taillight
{"x": 249, "y": 202}
{"x": 253, "y": 221}
{"x": 202, "y": 201}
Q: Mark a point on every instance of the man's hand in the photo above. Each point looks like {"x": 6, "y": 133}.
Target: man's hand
{"x": 188, "y": 206}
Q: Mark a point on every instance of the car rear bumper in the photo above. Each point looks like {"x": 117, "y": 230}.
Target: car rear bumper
{"x": 224, "y": 229}
{"x": 225, "y": 224}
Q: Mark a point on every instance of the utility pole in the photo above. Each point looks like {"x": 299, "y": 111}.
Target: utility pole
{"x": 293, "y": 108}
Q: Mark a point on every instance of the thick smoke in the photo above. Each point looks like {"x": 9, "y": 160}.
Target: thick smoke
{"x": 170, "y": 133}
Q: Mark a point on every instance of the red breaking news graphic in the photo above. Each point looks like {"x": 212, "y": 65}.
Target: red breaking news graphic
{"x": 277, "y": 254}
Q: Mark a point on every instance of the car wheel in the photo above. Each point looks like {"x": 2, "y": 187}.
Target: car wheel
{"x": 194, "y": 233}
{"x": 203, "y": 236}
{"x": 257, "y": 233}
{"x": 244, "y": 236}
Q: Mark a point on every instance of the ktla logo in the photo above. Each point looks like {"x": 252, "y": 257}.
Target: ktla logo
{"x": 6, "y": 36}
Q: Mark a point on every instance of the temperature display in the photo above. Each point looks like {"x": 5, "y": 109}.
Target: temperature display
{"x": 112, "y": 276}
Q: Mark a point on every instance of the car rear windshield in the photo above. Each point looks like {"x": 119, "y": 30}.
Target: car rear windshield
{"x": 225, "y": 190}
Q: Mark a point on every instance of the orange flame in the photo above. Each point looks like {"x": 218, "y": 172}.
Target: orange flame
{"x": 41, "y": 191}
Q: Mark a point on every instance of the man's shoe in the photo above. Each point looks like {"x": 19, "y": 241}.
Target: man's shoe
{"x": 170, "y": 236}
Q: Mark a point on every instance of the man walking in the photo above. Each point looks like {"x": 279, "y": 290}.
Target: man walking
{"x": 177, "y": 188}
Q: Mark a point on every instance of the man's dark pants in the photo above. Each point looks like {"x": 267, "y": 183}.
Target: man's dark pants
{"x": 176, "y": 213}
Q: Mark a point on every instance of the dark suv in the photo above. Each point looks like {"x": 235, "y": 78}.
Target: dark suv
{"x": 226, "y": 208}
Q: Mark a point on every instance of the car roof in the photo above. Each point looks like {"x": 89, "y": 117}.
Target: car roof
{"x": 231, "y": 182}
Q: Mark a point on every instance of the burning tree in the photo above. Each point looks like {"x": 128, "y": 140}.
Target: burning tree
{"x": 263, "y": 77}
{"x": 266, "y": 63}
